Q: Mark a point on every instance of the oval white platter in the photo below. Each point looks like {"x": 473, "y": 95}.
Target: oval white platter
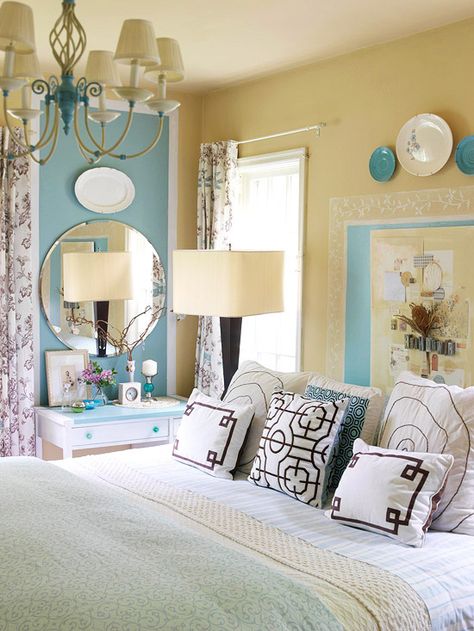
{"x": 104, "y": 190}
{"x": 424, "y": 144}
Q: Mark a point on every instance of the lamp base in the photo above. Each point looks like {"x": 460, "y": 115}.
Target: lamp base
{"x": 231, "y": 329}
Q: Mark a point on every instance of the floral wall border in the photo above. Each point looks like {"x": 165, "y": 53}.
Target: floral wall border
{"x": 449, "y": 204}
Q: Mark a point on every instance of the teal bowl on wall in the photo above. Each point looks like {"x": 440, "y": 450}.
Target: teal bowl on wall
{"x": 465, "y": 155}
{"x": 382, "y": 164}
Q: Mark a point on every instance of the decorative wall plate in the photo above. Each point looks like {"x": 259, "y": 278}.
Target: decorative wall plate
{"x": 382, "y": 164}
{"x": 465, "y": 155}
{"x": 424, "y": 144}
{"x": 104, "y": 190}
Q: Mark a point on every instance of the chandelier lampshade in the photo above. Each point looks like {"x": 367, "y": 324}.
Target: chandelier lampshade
{"x": 27, "y": 67}
{"x": 171, "y": 64}
{"x": 67, "y": 99}
{"x": 102, "y": 68}
{"x": 16, "y": 27}
{"x": 137, "y": 44}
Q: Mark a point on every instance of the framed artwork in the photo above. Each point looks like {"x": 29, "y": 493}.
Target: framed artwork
{"x": 63, "y": 369}
{"x": 423, "y": 234}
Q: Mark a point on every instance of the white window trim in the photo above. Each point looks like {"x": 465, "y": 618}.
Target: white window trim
{"x": 292, "y": 155}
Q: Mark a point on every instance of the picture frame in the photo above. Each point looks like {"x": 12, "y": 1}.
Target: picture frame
{"x": 64, "y": 367}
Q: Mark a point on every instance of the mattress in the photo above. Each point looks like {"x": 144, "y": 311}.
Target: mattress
{"x": 441, "y": 572}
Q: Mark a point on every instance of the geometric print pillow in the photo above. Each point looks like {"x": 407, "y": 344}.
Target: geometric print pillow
{"x": 296, "y": 445}
{"x": 351, "y": 428}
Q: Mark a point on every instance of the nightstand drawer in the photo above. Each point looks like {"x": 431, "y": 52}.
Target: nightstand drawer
{"x": 120, "y": 433}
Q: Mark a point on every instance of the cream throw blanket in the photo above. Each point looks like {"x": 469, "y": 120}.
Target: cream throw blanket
{"x": 360, "y": 595}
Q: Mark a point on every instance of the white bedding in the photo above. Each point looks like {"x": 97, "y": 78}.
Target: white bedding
{"x": 442, "y": 572}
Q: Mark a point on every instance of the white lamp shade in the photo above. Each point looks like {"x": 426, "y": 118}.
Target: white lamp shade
{"x": 102, "y": 68}
{"x": 98, "y": 276}
{"x": 137, "y": 42}
{"x": 171, "y": 64}
{"x": 16, "y": 27}
{"x": 227, "y": 283}
{"x": 27, "y": 67}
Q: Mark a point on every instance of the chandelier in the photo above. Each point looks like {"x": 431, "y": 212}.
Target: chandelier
{"x": 67, "y": 101}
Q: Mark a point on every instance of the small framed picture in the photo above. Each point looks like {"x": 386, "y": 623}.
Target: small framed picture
{"x": 63, "y": 369}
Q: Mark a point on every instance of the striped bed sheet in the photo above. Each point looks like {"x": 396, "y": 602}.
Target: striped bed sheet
{"x": 442, "y": 572}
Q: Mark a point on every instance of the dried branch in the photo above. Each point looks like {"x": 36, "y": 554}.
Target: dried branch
{"x": 423, "y": 319}
{"x": 116, "y": 337}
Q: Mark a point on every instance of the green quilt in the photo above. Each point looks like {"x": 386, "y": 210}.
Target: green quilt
{"x": 76, "y": 556}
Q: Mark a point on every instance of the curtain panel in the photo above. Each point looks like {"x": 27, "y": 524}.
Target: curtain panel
{"x": 217, "y": 186}
{"x": 17, "y": 430}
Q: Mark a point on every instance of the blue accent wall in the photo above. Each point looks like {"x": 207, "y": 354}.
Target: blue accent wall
{"x": 358, "y": 311}
{"x": 59, "y": 211}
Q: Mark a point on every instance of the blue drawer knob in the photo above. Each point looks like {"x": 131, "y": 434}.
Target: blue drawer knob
{"x": 156, "y": 429}
{"x": 89, "y": 435}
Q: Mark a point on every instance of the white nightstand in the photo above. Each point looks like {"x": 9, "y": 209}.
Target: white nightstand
{"x": 106, "y": 426}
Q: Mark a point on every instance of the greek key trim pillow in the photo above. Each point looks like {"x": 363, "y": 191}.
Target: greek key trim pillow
{"x": 391, "y": 492}
{"x": 422, "y": 415}
{"x": 296, "y": 445}
{"x": 211, "y": 434}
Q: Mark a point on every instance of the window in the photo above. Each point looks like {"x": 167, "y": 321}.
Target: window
{"x": 269, "y": 216}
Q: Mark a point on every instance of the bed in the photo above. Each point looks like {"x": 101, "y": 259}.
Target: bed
{"x": 137, "y": 540}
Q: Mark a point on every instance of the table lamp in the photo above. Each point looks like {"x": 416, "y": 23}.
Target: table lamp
{"x": 228, "y": 284}
{"x": 98, "y": 277}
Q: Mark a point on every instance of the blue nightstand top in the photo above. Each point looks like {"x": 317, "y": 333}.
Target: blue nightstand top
{"x": 111, "y": 413}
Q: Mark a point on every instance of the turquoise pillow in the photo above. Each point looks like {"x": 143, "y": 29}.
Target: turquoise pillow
{"x": 351, "y": 428}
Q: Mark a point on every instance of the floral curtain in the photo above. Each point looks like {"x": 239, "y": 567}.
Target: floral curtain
{"x": 216, "y": 198}
{"x": 17, "y": 430}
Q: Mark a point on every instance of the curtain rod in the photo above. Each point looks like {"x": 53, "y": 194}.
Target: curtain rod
{"x": 317, "y": 127}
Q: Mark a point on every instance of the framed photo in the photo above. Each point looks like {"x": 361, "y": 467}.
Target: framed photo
{"x": 63, "y": 369}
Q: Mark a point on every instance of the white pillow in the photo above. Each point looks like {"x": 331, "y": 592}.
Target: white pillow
{"x": 255, "y": 384}
{"x": 425, "y": 416}
{"x": 296, "y": 445}
{"x": 390, "y": 492}
{"x": 211, "y": 434}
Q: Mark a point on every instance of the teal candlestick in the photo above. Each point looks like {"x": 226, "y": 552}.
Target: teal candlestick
{"x": 148, "y": 387}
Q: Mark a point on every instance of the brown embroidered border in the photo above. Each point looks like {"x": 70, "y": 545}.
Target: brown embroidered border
{"x": 392, "y": 515}
{"x": 212, "y": 458}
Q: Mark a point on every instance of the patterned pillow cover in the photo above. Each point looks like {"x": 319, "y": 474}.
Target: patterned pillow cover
{"x": 254, "y": 384}
{"x": 211, "y": 434}
{"x": 391, "y": 492}
{"x": 422, "y": 415}
{"x": 295, "y": 446}
{"x": 374, "y": 407}
{"x": 350, "y": 429}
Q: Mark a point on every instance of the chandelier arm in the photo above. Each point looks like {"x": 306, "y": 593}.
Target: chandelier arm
{"x": 44, "y": 141}
{"x": 151, "y": 146}
{"x": 77, "y": 133}
{"x": 11, "y": 129}
{"x": 121, "y": 138}
{"x": 87, "y": 158}
{"x": 51, "y": 150}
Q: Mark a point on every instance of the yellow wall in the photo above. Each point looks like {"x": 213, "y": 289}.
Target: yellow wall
{"x": 365, "y": 98}
{"x": 190, "y": 119}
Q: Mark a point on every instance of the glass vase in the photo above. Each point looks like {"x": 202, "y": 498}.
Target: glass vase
{"x": 99, "y": 396}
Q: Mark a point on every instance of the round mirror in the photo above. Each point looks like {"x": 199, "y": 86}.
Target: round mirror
{"x": 102, "y": 287}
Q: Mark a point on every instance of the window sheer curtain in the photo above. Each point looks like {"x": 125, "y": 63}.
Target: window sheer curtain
{"x": 217, "y": 192}
{"x": 17, "y": 431}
